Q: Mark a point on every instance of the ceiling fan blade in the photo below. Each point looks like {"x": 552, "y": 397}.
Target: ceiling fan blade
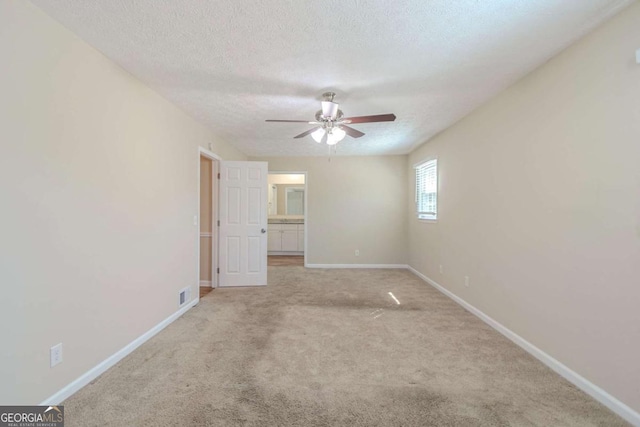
{"x": 291, "y": 121}
{"x": 353, "y": 133}
{"x": 309, "y": 132}
{"x": 370, "y": 119}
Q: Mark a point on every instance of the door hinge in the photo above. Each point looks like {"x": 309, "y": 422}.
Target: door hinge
{"x": 218, "y": 270}
{"x": 218, "y": 223}
{"x": 218, "y": 175}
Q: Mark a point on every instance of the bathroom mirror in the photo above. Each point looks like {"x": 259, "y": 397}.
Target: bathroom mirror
{"x": 294, "y": 201}
{"x": 286, "y": 195}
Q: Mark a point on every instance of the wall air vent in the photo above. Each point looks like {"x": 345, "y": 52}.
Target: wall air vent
{"x": 184, "y": 296}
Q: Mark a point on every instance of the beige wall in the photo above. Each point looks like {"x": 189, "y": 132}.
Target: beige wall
{"x": 539, "y": 205}
{"x": 206, "y": 195}
{"x": 99, "y": 190}
{"x": 353, "y": 203}
{"x": 205, "y": 259}
{"x": 278, "y": 178}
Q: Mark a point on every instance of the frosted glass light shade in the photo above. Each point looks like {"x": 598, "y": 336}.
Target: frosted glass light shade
{"x": 334, "y": 135}
{"x": 317, "y": 135}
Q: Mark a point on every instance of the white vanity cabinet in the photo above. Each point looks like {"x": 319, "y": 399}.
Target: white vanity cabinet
{"x": 274, "y": 238}
{"x": 285, "y": 238}
{"x": 289, "y": 237}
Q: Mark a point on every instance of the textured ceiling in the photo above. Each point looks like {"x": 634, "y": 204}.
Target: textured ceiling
{"x": 232, "y": 64}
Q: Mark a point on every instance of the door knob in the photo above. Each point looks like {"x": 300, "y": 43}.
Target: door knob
{"x": 263, "y": 231}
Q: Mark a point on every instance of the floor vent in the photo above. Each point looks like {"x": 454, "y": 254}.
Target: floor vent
{"x": 184, "y": 296}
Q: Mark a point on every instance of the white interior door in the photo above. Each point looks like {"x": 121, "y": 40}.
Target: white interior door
{"x": 243, "y": 224}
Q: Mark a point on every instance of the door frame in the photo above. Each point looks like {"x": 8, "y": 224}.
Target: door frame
{"x": 306, "y": 210}
{"x": 215, "y": 168}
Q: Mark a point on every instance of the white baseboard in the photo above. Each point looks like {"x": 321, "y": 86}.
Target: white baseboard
{"x": 357, "y": 266}
{"x": 93, "y": 373}
{"x": 576, "y": 379}
{"x": 205, "y": 283}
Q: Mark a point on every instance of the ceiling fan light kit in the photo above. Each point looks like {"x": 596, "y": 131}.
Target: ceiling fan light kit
{"x": 330, "y": 136}
{"x": 332, "y": 126}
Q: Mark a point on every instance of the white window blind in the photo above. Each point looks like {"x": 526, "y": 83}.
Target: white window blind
{"x": 427, "y": 189}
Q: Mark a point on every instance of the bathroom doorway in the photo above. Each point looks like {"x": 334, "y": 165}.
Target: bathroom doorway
{"x": 287, "y": 218}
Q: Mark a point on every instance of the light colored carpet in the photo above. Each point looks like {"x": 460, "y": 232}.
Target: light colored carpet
{"x": 332, "y": 348}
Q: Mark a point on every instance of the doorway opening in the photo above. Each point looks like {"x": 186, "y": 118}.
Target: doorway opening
{"x": 287, "y": 218}
{"x": 209, "y": 167}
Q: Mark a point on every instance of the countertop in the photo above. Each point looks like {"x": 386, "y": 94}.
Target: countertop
{"x": 291, "y": 219}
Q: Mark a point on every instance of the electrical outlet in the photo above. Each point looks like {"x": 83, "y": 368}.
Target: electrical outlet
{"x": 441, "y": 269}
{"x": 56, "y": 354}
{"x": 357, "y": 252}
{"x": 466, "y": 281}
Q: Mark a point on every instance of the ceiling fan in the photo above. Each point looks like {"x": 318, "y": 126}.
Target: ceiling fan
{"x": 332, "y": 125}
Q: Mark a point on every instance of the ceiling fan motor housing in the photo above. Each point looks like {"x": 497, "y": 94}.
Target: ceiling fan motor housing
{"x": 321, "y": 117}
{"x": 329, "y": 110}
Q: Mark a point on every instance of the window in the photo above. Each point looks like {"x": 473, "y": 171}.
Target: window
{"x": 427, "y": 189}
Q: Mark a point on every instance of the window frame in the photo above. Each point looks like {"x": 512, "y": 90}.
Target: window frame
{"x": 426, "y": 163}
